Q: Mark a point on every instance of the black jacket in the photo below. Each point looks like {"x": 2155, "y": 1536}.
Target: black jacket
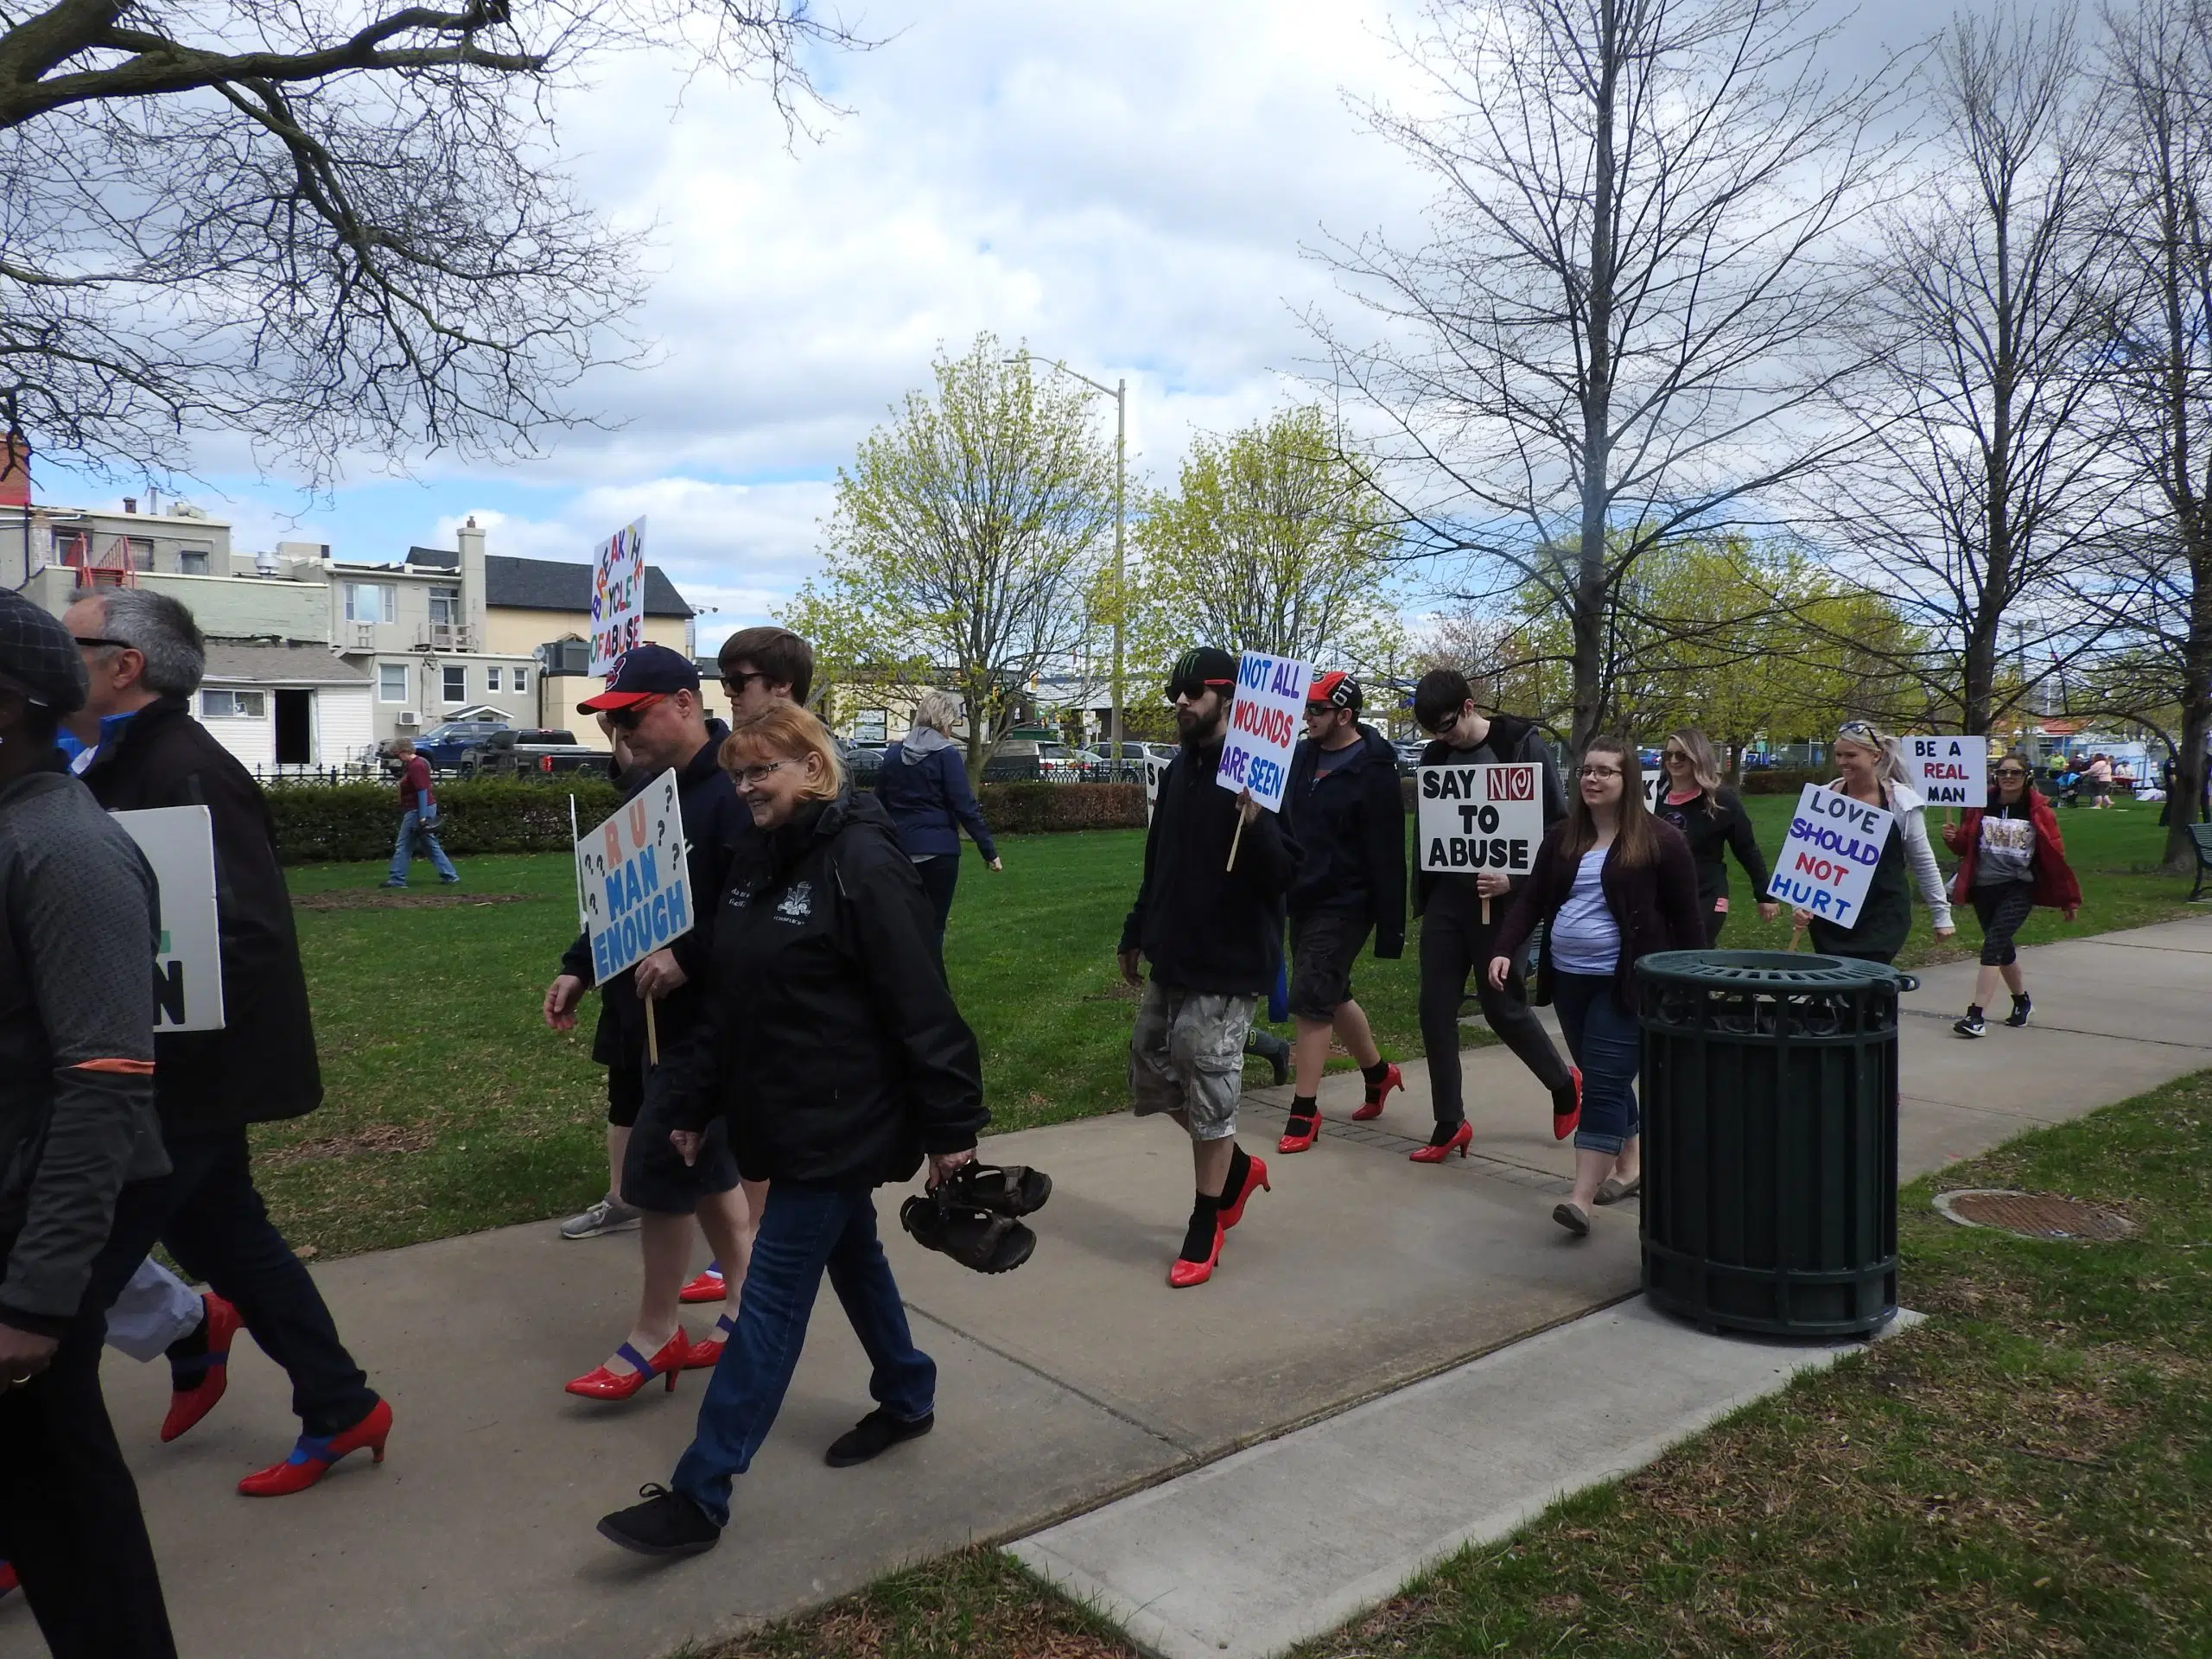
{"x": 830, "y": 1042}
{"x": 261, "y": 1067}
{"x": 1349, "y": 826}
{"x": 1715, "y": 824}
{"x": 1654, "y": 905}
{"x": 1203, "y": 927}
{"x": 1510, "y": 739}
{"x": 716, "y": 826}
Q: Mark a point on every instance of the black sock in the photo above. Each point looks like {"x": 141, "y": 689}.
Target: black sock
{"x": 1445, "y": 1131}
{"x": 187, "y": 1347}
{"x": 1375, "y": 1074}
{"x": 1206, "y": 1219}
{"x": 2019, "y": 998}
{"x": 1974, "y": 1010}
{"x": 1305, "y": 1106}
{"x": 1240, "y": 1167}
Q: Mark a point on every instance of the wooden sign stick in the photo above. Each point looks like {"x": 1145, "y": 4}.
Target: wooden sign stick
{"x": 1485, "y": 910}
{"x": 1234, "y": 840}
{"x": 652, "y": 1036}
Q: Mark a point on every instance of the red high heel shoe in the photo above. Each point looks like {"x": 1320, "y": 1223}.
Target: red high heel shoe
{"x": 707, "y": 1288}
{"x": 1392, "y": 1078}
{"x": 1255, "y": 1178}
{"x": 1182, "y": 1274}
{"x": 188, "y": 1406}
{"x": 600, "y": 1383}
{"x": 1458, "y": 1143}
{"x": 312, "y": 1456}
{"x": 1292, "y": 1142}
{"x": 7, "y": 1578}
{"x": 707, "y": 1352}
{"x": 1563, "y": 1124}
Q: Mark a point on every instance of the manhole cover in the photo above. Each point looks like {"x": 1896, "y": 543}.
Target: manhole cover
{"x": 2033, "y": 1215}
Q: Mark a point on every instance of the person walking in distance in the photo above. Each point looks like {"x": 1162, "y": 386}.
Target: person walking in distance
{"x": 1710, "y": 818}
{"x": 1212, "y": 928}
{"x": 1346, "y": 812}
{"x": 924, "y": 786}
{"x": 418, "y": 818}
{"x": 1455, "y": 937}
{"x": 76, "y": 1123}
{"x": 1873, "y": 774}
{"x": 2012, "y": 858}
{"x": 1613, "y": 884}
{"x": 651, "y": 702}
{"x": 2098, "y": 778}
{"x": 144, "y": 657}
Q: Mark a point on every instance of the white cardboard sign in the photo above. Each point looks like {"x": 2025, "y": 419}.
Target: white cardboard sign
{"x": 179, "y": 841}
{"x": 618, "y": 596}
{"x": 1264, "y": 723}
{"x": 1827, "y": 861}
{"x": 1948, "y": 770}
{"x": 1153, "y": 770}
{"x": 637, "y": 883}
{"x": 1476, "y": 818}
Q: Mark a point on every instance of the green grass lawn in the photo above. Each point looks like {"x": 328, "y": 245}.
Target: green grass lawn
{"x": 2030, "y": 1472}
{"x": 451, "y": 1107}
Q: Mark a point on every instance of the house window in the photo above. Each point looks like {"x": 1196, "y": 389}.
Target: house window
{"x": 445, "y": 606}
{"x": 491, "y": 679}
{"x": 230, "y": 705}
{"x": 141, "y": 553}
{"x": 456, "y": 679}
{"x": 391, "y": 681}
{"x": 522, "y": 679}
{"x": 372, "y": 601}
{"x": 193, "y": 562}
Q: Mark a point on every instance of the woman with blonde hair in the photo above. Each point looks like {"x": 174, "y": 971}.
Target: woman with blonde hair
{"x": 1873, "y": 774}
{"x": 923, "y": 785}
{"x": 1712, "y": 818}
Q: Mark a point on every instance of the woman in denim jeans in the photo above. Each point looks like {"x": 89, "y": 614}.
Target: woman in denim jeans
{"x": 1615, "y": 884}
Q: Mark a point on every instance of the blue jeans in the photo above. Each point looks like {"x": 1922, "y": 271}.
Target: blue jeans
{"x": 804, "y": 1230}
{"x": 412, "y": 825}
{"x": 1607, "y": 1044}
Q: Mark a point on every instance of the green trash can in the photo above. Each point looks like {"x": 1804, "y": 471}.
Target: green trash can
{"x": 1769, "y": 1097}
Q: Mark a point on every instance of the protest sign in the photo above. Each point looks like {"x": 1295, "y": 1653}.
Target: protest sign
{"x": 179, "y": 841}
{"x": 1948, "y": 770}
{"x": 1153, "y": 771}
{"x": 637, "y": 885}
{"x": 1264, "y": 723}
{"x": 618, "y": 596}
{"x": 1473, "y": 819}
{"x": 1828, "y": 859}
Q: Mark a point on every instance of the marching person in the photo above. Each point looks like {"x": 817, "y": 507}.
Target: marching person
{"x": 652, "y": 703}
{"x": 1873, "y": 774}
{"x": 418, "y": 818}
{"x": 924, "y": 786}
{"x": 1710, "y": 818}
{"x": 144, "y": 658}
{"x": 76, "y": 1121}
{"x": 1612, "y": 884}
{"x": 1346, "y": 814}
{"x": 833, "y": 1051}
{"x": 1212, "y": 930}
{"x": 1455, "y": 940}
{"x": 2012, "y": 858}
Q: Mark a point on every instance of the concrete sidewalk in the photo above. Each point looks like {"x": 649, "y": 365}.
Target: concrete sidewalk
{"x": 1077, "y": 1379}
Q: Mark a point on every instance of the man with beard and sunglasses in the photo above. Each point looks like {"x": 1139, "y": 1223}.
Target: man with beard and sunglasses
{"x": 1209, "y": 917}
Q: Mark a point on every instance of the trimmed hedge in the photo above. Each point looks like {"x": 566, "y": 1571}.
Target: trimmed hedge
{"x": 1783, "y": 780}
{"x": 1031, "y": 808}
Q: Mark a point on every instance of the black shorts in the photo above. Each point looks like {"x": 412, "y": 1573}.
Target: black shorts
{"x": 655, "y": 1176}
{"x": 625, "y": 1093}
{"x": 1324, "y": 943}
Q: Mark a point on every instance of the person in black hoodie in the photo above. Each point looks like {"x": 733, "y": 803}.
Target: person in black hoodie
{"x": 651, "y": 702}
{"x": 834, "y": 1053}
{"x": 1347, "y": 814}
{"x": 1210, "y": 924}
{"x": 1710, "y": 818}
{"x": 1455, "y": 940}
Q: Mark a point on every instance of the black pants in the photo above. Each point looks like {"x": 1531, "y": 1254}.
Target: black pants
{"x": 69, "y": 1517}
{"x": 1455, "y": 941}
{"x": 940, "y": 876}
{"x": 212, "y": 1220}
{"x": 2002, "y": 908}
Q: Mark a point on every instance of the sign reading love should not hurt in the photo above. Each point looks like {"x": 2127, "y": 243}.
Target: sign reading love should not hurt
{"x": 1477, "y": 818}
{"x": 1827, "y": 861}
{"x": 1263, "y": 727}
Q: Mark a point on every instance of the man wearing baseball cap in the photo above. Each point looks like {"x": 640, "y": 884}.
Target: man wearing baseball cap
{"x": 1348, "y": 815}
{"x": 1211, "y": 923}
{"x": 76, "y": 1122}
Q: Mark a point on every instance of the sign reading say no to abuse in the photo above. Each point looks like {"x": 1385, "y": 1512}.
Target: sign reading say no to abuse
{"x": 1263, "y": 727}
{"x": 1478, "y": 818}
{"x": 1828, "y": 862}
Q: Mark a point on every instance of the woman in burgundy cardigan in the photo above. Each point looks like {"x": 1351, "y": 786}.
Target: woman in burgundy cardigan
{"x": 1615, "y": 884}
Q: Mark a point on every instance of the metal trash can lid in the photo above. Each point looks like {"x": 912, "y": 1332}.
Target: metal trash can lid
{"x": 1776, "y": 971}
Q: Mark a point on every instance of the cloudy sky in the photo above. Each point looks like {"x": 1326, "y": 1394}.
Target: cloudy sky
{"x": 1134, "y": 189}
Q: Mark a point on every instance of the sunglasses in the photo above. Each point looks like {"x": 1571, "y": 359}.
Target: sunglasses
{"x": 2009, "y": 772}
{"x": 626, "y": 719}
{"x": 1194, "y": 689}
{"x": 735, "y": 684}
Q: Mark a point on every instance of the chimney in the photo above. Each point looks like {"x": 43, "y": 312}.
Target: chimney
{"x": 15, "y": 473}
{"x": 471, "y": 542}
{"x": 131, "y": 504}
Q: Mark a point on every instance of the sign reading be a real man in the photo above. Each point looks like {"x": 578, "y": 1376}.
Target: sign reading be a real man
{"x": 1476, "y": 818}
{"x": 636, "y": 881}
{"x": 1828, "y": 862}
{"x": 1948, "y": 770}
{"x": 1263, "y": 727}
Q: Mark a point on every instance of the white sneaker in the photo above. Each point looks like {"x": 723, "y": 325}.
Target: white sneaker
{"x": 609, "y": 1215}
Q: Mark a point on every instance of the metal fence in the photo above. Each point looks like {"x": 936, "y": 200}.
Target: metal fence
{"x": 353, "y": 771}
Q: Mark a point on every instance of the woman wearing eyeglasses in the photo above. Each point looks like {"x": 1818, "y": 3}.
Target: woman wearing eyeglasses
{"x": 2012, "y": 858}
{"x": 1614, "y": 884}
{"x": 1712, "y": 819}
{"x": 1873, "y": 774}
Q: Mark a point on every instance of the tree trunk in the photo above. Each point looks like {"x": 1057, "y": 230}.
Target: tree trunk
{"x": 1592, "y": 589}
{"x": 2196, "y": 698}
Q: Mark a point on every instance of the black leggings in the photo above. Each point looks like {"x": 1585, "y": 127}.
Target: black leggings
{"x": 1455, "y": 941}
{"x": 2002, "y": 910}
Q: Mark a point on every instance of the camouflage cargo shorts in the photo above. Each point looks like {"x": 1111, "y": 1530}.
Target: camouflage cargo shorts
{"x": 1188, "y": 1055}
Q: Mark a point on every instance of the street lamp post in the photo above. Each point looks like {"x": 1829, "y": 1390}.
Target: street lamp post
{"x": 1119, "y": 392}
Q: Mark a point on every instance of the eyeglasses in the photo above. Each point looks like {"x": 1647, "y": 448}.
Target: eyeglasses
{"x": 753, "y": 776}
{"x": 626, "y": 719}
{"x": 1598, "y": 772}
{"x": 94, "y": 643}
{"x": 735, "y": 684}
{"x": 2011, "y": 772}
{"x": 1675, "y": 754}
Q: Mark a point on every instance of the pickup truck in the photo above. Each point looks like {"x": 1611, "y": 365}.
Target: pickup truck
{"x": 528, "y": 753}
{"x": 444, "y": 746}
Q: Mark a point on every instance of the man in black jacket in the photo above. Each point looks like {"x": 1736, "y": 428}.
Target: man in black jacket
{"x": 144, "y": 657}
{"x": 1348, "y": 815}
{"x": 1455, "y": 938}
{"x": 76, "y": 1122}
{"x": 1211, "y": 926}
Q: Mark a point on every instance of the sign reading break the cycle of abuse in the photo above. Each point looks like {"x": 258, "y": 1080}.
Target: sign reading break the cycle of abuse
{"x": 1263, "y": 727}
{"x": 618, "y": 596}
{"x": 1828, "y": 862}
{"x": 1478, "y": 818}
{"x": 637, "y": 884}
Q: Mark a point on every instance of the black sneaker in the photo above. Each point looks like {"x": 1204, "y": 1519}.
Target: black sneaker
{"x": 666, "y": 1523}
{"x": 873, "y": 1436}
{"x": 2018, "y": 1017}
{"x": 1973, "y": 1026}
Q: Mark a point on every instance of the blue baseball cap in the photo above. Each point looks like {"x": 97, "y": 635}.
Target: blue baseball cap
{"x": 642, "y": 674}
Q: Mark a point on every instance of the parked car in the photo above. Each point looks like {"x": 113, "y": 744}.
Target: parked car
{"x": 1059, "y": 763}
{"x": 444, "y": 746}
{"x": 1134, "y": 755}
{"x": 1409, "y": 757}
{"x": 863, "y": 761}
{"x": 530, "y": 753}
